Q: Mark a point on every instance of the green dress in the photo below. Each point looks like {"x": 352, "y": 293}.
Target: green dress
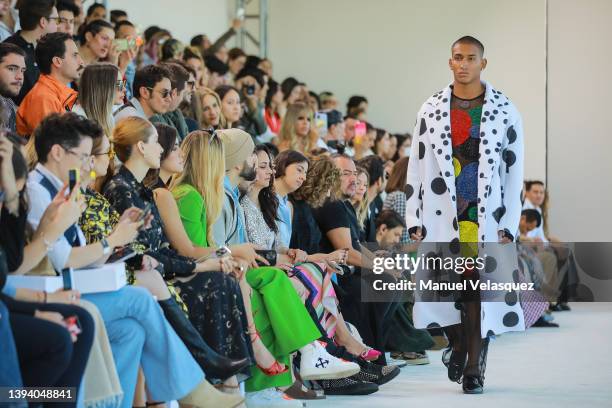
{"x": 281, "y": 319}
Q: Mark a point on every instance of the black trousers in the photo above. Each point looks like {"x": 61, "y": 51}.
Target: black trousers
{"x": 47, "y": 355}
{"x": 372, "y": 319}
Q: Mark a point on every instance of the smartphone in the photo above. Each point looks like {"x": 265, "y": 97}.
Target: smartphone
{"x": 360, "y": 132}
{"x": 145, "y": 212}
{"x": 321, "y": 123}
{"x": 67, "y": 278}
{"x": 121, "y": 44}
{"x": 268, "y": 254}
{"x": 74, "y": 175}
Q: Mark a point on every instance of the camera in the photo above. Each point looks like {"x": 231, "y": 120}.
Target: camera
{"x": 249, "y": 90}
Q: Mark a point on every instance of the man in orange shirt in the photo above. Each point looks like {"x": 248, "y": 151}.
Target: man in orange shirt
{"x": 60, "y": 64}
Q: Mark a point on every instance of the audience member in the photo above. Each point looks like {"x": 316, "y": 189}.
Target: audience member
{"x": 152, "y": 94}
{"x": 60, "y": 64}
{"x": 231, "y": 109}
{"x": 37, "y": 18}
{"x": 12, "y": 69}
{"x": 297, "y": 132}
{"x": 396, "y": 195}
{"x": 67, "y": 11}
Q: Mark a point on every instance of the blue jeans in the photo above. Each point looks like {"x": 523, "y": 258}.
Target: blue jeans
{"x": 140, "y": 335}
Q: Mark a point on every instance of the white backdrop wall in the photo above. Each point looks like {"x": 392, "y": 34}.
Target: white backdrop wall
{"x": 395, "y": 52}
{"x": 183, "y": 18}
{"x": 579, "y": 124}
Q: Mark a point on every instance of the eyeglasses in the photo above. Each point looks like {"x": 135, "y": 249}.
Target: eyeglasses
{"x": 53, "y": 18}
{"x": 64, "y": 20}
{"x": 83, "y": 157}
{"x": 165, "y": 93}
{"x": 110, "y": 153}
{"x": 121, "y": 85}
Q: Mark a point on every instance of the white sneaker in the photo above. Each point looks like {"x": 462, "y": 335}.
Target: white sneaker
{"x": 317, "y": 364}
{"x": 271, "y": 398}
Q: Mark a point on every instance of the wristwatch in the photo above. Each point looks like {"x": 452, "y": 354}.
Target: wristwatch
{"x": 106, "y": 249}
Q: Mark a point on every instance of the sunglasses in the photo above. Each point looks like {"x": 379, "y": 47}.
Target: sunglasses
{"x": 121, "y": 85}
{"x": 165, "y": 93}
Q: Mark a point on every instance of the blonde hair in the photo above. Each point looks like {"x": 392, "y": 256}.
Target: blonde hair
{"x": 97, "y": 94}
{"x": 204, "y": 170}
{"x": 362, "y": 207}
{"x": 201, "y": 94}
{"x": 288, "y": 138}
{"x": 127, "y": 133}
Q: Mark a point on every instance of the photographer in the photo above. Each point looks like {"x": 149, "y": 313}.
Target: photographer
{"x": 252, "y": 86}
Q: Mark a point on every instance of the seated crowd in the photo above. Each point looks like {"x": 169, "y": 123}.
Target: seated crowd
{"x": 244, "y": 204}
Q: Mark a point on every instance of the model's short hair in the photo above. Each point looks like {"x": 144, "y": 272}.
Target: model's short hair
{"x": 149, "y": 76}
{"x": 390, "y": 218}
{"x": 49, "y": 46}
{"x": 468, "y": 39}
{"x": 65, "y": 130}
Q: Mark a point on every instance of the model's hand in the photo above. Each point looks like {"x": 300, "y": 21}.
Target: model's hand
{"x": 417, "y": 235}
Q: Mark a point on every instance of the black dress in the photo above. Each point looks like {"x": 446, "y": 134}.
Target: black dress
{"x": 213, "y": 299}
{"x": 305, "y": 234}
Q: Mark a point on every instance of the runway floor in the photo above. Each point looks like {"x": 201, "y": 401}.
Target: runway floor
{"x": 570, "y": 366}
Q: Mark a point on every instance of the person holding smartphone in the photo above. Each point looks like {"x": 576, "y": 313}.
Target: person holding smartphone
{"x": 51, "y": 340}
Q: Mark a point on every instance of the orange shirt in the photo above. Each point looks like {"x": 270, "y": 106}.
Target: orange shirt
{"x": 46, "y": 97}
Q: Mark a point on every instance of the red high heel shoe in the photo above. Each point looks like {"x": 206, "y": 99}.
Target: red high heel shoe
{"x": 276, "y": 368}
{"x": 369, "y": 354}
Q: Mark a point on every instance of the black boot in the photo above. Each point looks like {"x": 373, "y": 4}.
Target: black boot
{"x": 213, "y": 364}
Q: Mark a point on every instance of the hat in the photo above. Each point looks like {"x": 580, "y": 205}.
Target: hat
{"x": 238, "y": 145}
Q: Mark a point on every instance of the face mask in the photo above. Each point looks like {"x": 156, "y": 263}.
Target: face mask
{"x": 407, "y": 151}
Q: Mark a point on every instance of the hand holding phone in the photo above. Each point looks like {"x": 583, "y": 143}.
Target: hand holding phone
{"x": 74, "y": 176}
